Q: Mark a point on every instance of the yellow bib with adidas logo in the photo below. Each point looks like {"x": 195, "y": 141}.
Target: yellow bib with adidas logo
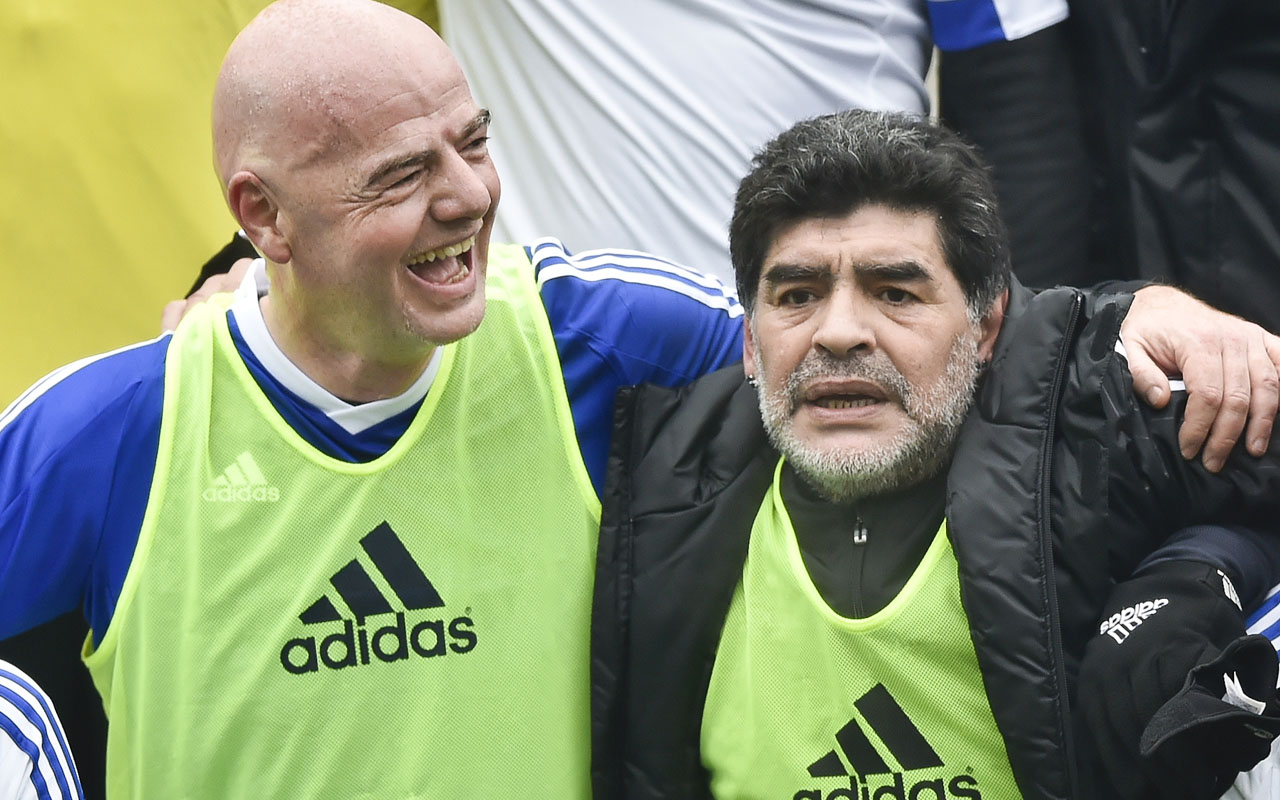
{"x": 294, "y": 626}
{"x": 807, "y": 705}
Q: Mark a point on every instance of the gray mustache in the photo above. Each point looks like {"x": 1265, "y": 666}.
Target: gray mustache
{"x": 871, "y": 367}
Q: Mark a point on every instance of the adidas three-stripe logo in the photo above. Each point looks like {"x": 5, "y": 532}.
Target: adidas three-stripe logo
{"x": 358, "y": 590}
{"x": 903, "y": 741}
{"x": 900, "y": 736}
{"x": 354, "y": 645}
{"x": 241, "y": 482}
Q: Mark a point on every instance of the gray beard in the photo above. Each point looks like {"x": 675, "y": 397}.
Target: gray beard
{"x": 934, "y": 415}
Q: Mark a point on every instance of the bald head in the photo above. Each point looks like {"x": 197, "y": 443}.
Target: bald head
{"x": 298, "y": 76}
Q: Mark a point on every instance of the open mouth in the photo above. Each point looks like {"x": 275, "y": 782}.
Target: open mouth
{"x": 446, "y": 265}
{"x": 846, "y": 401}
{"x": 839, "y": 395}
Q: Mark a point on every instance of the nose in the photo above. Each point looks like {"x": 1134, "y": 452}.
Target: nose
{"x": 843, "y": 326}
{"x": 462, "y": 191}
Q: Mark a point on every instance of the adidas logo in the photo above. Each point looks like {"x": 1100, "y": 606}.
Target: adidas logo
{"x": 1124, "y": 622}
{"x": 355, "y": 645}
{"x": 1229, "y": 589}
{"x": 242, "y": 482}
{"x": 903, "y": 741}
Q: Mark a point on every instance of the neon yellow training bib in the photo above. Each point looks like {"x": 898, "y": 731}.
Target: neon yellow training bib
{"x": 294, "y": 626}
{"x": 807, "y": 705}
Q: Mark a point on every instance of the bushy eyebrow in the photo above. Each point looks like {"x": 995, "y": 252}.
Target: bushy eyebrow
{"x": 479, "y": 121}
{"x": 905, "y": 271}
{"x": 787, "y": 273}
{"x": 396, "y": 164}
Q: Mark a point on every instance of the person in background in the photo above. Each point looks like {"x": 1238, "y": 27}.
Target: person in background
{"x": 1168, "y": 125}
{"x": 630, "y": 124}
{"x": 35, "y": 761}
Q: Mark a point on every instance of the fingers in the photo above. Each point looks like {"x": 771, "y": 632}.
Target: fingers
{"x": 1264, "y": 398}
{"x": 1218, "y": 403}
{"x": 1149, "y": 381}
{"x": 1231, "y": 368}
{"x": 175, "y": 310}
{"x": 172, "y": 314}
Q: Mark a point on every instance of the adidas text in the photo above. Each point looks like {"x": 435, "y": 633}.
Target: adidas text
{"x": 241, "y": 494}
{"x": 1122, "y": 623}
{"x": 960, "y": 787}
{"x": 356, "y": 646}
{"x": 241, "y": 482}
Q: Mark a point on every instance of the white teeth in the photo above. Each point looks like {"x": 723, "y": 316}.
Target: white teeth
{"x": 838, "y": 403}
{"x": 444, "y": 252}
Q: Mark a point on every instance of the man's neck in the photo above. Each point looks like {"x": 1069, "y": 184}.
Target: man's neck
{"x": 860, "y": 554}
{"x": 343, "y": 371}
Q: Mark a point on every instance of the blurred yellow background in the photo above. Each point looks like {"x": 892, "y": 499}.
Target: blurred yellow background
{"x": 108, "y": 201}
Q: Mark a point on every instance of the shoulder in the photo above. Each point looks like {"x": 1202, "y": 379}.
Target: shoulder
{"x": 95, "y": 394}
{"x": 639, "y": 311}
{"x": 642, "y": 279}
{"x": 965, "y": 24}
{"x": 33, "y": 747}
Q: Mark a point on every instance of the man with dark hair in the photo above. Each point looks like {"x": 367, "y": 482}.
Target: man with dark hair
{"x": 869, "y": 567}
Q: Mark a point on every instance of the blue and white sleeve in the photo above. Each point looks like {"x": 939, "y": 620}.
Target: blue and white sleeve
{"x": 1265, "y": 618}
{"x": 620, "y": 318}
{"x": 966, "y": 24}
{"x": 35, "y": 761}
{"x": 77, "y": 454}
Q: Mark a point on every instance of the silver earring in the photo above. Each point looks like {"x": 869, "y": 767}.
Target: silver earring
{"x": 751, "y": 381}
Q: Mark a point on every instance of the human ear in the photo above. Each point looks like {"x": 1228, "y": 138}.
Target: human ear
{"x": 989, "y": 327}
{"x": 748, "y": 350}
{"x": 255, "y": 208}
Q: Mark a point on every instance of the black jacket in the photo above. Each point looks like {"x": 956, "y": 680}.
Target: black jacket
{"x": 1136, "y": 140}
{"x": 1184, "y": 137}
{"x": 1059, "y": 484}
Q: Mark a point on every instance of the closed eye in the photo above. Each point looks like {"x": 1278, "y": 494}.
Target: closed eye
{"x": 405, "y": 179}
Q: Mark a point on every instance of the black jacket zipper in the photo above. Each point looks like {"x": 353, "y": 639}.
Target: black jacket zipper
{"x": 1046, "y": 549}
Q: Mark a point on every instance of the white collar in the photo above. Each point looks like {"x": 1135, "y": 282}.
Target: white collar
{"x": 352, "y": 418}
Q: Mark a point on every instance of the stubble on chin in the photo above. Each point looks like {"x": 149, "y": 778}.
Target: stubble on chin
{"x": 932, "y": 418}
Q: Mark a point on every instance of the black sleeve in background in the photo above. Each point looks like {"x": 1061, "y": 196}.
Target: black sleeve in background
{"x": 1251, "y": 558}
{"x": 223, "y": 260}
{"x": 1017, "y": 101}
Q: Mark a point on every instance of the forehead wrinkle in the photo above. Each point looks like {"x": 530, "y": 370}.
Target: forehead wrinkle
{"x": 397, "y": 162}
{"x": 424, "y": 156}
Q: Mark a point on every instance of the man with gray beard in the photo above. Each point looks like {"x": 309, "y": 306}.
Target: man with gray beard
{"x": 885, "y": 591}
{"x": 933, "y": 415}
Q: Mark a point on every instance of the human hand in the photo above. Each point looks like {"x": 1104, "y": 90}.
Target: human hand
{"x": 1151, "y": 688}
{"x": 1231, "y": 368}
{"x": 175, "y": 310}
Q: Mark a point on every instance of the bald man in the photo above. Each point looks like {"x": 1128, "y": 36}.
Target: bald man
{"x": 336, "y": 539}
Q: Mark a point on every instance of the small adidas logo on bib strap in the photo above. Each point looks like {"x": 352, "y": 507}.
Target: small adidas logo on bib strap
{"x": 903, "y": 741}
{"x": 242, "y": 482}
{"x": 406, "y": 637}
